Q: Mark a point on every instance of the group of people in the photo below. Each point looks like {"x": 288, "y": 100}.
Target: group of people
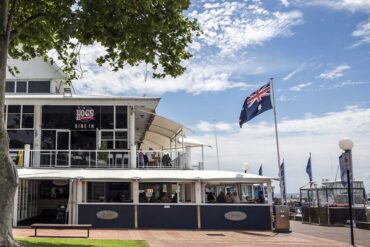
{"x": 231, "y": 197}
{"x": 152, "y": 159}
{"x": 164, "y": 197}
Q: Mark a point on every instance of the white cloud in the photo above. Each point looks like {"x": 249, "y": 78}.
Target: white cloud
{"x": 350, "y": 5}
{"x": 285, "y": 3}
{"x": 299, "y": 87}
{"x": 255, "y": 143}
{"x": 231, "y": 26}
{"x": 363, "y": 33}
{"x": 334, "y": 73}
{"x": 297, "y": 70}
{"x": 205, "y": 126}
{"x": 350, "y": 83}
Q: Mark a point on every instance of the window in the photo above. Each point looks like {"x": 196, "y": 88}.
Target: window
{"x": 158, "y": 192}
{"x": 39, "y": 87}
{"x": 121, "y": 140}
{"x": 21, "y": 87}
{"x": 14, "y": 117}
{"x": 10, "y": 87}
{"x": 106, "y": 117}
{"x": 113, "y": 140}
{"x": 19, "y": 138}
{"x": 20, "y": 117}
{"x": 109, "y": 192}
{"x": 121, "y": 117}
{"x": 27, "y": 87}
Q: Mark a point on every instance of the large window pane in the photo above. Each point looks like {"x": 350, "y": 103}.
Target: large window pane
{"x": 19, "y": 138}
{"x": 27, "y": 120}
{"x": 158, "y": 192}
{"x": 10, "y": 87}
{"x": 48, "y": 139}
{"x": 121, "y": 117}
{"x": 109, "y": 192}
{"x": 106, "y": 117}
{"x": 14, "y": 121}
{"x": 21, "y": 87}
{"x": 39, "y": 86}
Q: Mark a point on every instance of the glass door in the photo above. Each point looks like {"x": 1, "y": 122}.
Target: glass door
{"x": 63, "y": 144}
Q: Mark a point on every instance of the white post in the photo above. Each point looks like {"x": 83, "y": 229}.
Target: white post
{"x": 188, "y": 158}
{"x": 135, "y": 192}
{"x": 26, "y": 156}
{"x": 132, "y": 138}
{"x": 198, "y": 192}
{"x": 15, "y": 208}
{"x": 37, "y": 138}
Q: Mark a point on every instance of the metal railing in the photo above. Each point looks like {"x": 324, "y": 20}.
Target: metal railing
{"x": 80, "y": 158}
{"x": 159, "y": 159}
{"x": 146, "y": 159}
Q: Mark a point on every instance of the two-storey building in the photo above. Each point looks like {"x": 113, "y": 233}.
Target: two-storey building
{"x": 113, "y": 162}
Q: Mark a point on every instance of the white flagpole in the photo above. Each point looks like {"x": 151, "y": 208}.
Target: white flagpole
{"x": 277, "y": 136}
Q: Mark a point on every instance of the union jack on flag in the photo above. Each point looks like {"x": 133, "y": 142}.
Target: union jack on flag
{"x": 256, "y": 103}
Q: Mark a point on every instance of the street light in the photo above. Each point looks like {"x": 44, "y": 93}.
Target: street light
{"x": 245, "y": 167}
{"x": 346, "y": 145}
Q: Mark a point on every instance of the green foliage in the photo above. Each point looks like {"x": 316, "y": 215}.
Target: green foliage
{"x": 155, "y": 32}
{"x": 76, "y": 242}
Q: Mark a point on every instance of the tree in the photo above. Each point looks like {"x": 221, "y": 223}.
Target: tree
{"x": 154, "y": 32}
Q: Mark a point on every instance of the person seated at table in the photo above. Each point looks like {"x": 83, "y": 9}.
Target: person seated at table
{"x": 261, "y": 197}
{"x": 235, "y": 198}
{"x": 164, "y": 198}
{"x": 174, "y": 198}
{"x": 210, "y": 197}
{"x": 221, "y": 197}
{"x": 228, "y": 197}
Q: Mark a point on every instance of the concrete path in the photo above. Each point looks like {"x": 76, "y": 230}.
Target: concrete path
{"x": 362, "y": 236}
{"x": 182, "y": 238}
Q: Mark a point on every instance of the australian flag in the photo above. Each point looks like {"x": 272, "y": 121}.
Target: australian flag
{"x": 256, "y": 103}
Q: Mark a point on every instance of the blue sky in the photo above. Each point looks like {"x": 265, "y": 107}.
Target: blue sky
{"x": 318, "y": 51}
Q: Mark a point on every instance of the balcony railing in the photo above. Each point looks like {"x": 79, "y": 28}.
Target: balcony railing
{"x": 145, "y": 159}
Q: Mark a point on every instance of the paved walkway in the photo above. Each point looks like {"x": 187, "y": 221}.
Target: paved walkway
{"x": 182, "y": 238}
{"x": 362, "y": 236}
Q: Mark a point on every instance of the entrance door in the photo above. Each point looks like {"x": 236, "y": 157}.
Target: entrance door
{"x": 63, "y": 144}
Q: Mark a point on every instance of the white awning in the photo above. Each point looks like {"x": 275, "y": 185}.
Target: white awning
{"x": 142, "y": 175}
{"x": 162, "y": 133}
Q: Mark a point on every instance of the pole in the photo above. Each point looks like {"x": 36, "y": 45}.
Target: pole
{"x": 276, "y": 135}
{"x": 311, "y": 171}
{"x": 350, "y": 207}
{"x": 218, "y": 157}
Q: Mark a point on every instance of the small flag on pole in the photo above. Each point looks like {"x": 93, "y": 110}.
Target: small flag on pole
{"x": 309, "y": 169}
{"x": 282, "y": 182}
{"x": 260, "y": 171}
{"x": 256, "y": 103}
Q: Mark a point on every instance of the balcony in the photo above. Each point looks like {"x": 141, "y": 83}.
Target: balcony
{"x": 110, "y": 159}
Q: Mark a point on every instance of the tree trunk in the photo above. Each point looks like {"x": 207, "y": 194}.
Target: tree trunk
{"x": 8, "y": 171}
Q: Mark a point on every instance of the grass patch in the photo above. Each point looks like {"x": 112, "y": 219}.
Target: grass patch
{"x": 79, "y": 242}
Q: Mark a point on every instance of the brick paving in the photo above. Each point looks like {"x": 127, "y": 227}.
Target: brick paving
{"x": 362, "y": 236}
{"x": 184, "y": 238}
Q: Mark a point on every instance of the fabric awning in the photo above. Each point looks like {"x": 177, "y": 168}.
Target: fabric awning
{"x": 142, "y": 175}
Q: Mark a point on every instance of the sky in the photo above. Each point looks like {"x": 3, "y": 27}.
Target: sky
{"x": 317, "y": 51}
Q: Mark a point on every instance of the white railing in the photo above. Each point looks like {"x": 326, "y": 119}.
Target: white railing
{"x": 146, "y": 159}
{"x": 80, "y": 158}
{"x": 159, "y": 159}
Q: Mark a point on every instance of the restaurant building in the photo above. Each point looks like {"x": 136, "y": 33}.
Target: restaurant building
{"x": 113, "y": 162}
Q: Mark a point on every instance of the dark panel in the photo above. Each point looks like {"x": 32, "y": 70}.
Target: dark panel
{"x": 125, "y": 219}
{"x": 9, "y": 87}
{"x": 213, "y": 217}
{"x": 39, "y": 86}
{"x": 21, "y": 87}
{"x": 174, "y": 217}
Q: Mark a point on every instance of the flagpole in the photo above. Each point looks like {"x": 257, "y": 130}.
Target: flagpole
{"x": 276, "y": 135}
{"x": 311, "y": 171}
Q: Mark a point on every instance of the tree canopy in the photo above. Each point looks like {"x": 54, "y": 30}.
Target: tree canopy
{"x": 155, "y": 32}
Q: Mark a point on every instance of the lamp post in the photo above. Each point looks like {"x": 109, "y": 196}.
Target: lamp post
{"x": 245, "y": 167}
{"x": 346, "y": 145}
